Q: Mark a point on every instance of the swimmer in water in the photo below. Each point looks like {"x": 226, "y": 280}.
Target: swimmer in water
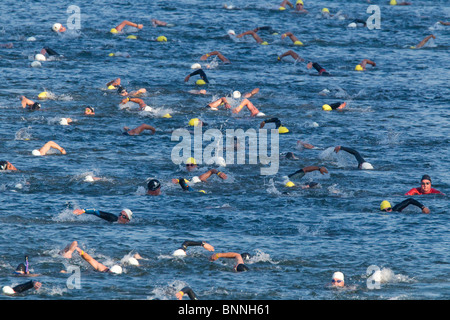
{"x": 362, "y": 164}
{"x": 188, "y": 243}
{"x": 291, "y": 36}
{"x": 188, "y": 291}
{"x": 254, "y": 35}
{"x": 22, "y": 287}
{"x": 113, "y": 84}
{"x": 284, "y": 4}
{"x": 425, "y": 187}
{"x": 444, "y": 23}
{"x": 395, "y": 3}
{"x": 199, "y": 71}
{"x": 196, "y": 122}
{"x": 89, "y": 111}
{"x": 334, "y": 106}
{"x": 68, "y": 252}
{"x": 23, "y": 269}
{"x": 250, "y": 106}
{"x": 124, "y": 217}
{"x": 269, "y": 29}
{"x": 337, "y": 280}
{"x": 49, "y": 53}
{"x": 385, "y": 206}
{"x": 158, "y": 23}
{"x": 423, "y": 42}
{"x": 124, "y": 23}
{"x": 6, "y": 165}
{"x": 154, "y": 187}
{"x": 49, "y": 145}
{"x": 215, "y": 104}
{"x": 239, "y": 265}
{"x": 299, "y": 7}
{"x": 362, "y": 65}
{"x": 292, "y": 54}
{"x": 315, "y": 65}
{"x": 9, "y": 45}
{"x": 278, "y": 125}
{"x": 138, "y": 130}
{"x": 301, "y": 173}
{"x": 215, "y": 53}
{"x": 58, "y": 27}
{"x": 29, "y": 104}
{"x": 123, "y": 92}
{"x": 142, "y": 105}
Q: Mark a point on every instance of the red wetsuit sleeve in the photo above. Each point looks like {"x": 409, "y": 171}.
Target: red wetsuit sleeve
{"x": 412, "y": 192}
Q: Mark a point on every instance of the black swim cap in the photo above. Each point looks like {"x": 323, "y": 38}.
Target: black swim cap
{"x": 153, "y": 185}
{"x": 426, "y": 177}
{"x": 241, "y": 267}
{"x": 246, "y": 256}
{"x": 3, "y": 165}
{"x": 121, "y": 89}
{"x": 21, "y": 268}
{"x": 36, "y": 106}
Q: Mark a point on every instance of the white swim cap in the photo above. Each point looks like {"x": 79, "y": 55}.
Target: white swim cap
{"x": 366, "y": 166}
{"x": 338, "y": 276}
{"x": 36, "y": 153}
{"x": 196, "y": 66}
{"x": 128, "y": 213}
{"x": 63, "y": 122}
{"x": 179, "y": 253}
{"x": 133, "y": 261}
{"x": 40, "y": 57}
{"x": 231, "y": 32}
{"x": 260, "y": 114}
{"x": 31, "y": 39}
{"x": 89, "y": 178}
{"x": 236, "y": 94}
{"x": 56, "y": 27}
{"x": 147, "y": 108}
{"x": 352, "y": 25}
{"x": 220, "y": 161}
{"x": 116, "y": 269}
{"x": 196, "y": 180}
{"x": 36, "y": 64}
{"x": 8, "y": 290}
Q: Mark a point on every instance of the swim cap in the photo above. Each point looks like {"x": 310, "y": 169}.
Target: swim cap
{"x": 194, "y": 122}
{"x": 3, "y": 165}
{"x": 40, "y": 57}
{"x": 298, "y": 43}
{"x": 326, "y": 107}
{"x": 167, "y": 115}
{"x": 246, "y": 256}
{"x": 161, "y": 39}
{"x": 264, "y": 43}
{"x": 153, "y": 185}
{"x": 147, "y": 108}
{"x": 425, "y": 177}
{"x": 299, "y": 2}
{"x": 113, "y": 30}
{"x": 36, "y": 153}
{"x": 116, "y": 269}
{"x": 56, "y": 27}
{"x": 196, "y": 66}
{"x": 338, "y": 276}
{"x": 89, "y": 178}
{"x": 352, "y": 25}
{"x": 43, "y": 95}
{"x": 133, "y": 261}
{"x": 236, "y": 94}
{"x": 220, "y": 161}
{"x": 191, "y": 161}
{"x": 36, "y": 64}
{"x": 231, "y": 32}
{"x": 179, "y": 253}
{"x": 128, "y": 213}
{"x": 63, "y": 122}
{"x": 359, "y": 68}
{"x": 241, "y": 267}
{"x": 21, "y": 268}
{"x": 282, "y": 129}
{"x": 8, "y": 290}
{"x": 281, "y": 8}
{"x": 260, "y": 114}
{"x": 196, "y": 180}
{"x": 385, "y": 205}
{"x": 36, "y": 106}
{"x": 131, "y": 37}
{"x": 202, "y": 191}
{"x": 120, "y": 89}
{"x": 200, "y": 82}
{"x": 366, "y": 166}
{"x": 393, "y": 2}
{"x": 290, "y": 184}
{"x": 325, "y": 10}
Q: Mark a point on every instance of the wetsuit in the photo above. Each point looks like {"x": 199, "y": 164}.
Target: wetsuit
{"x": 335, "y": 106}
{"x": 297, "y": 174}
{"x": 104, "y": 215}
{"x": 356, "y": 154}
{"x": 190, "y": 293}
{"x": 184, "y": 185}
{"x": 24, "y": 287}
{"x": 402, "y": 205}
{"x": 201, "y": 73}
{"x": 189, "y": 243}
{"x": 322, "y": 71}
{"x": 418, "y": 191}
{"x": 50, "y": 51}
{"x": 274, "y": 120}
{"x": 3, "y": 165}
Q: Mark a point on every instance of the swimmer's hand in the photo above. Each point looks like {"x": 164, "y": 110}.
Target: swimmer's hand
{"x": 63, "y": 151}
{"x": 214, "y": 257}
{"x": 323, "y": 170}
{"x": 179, "y": 295}
{"x": 207, "y": 246}
{"x": 78, "y": 211}
{"x": 187, "y": 78}
{"x": 336, "y": 149}
{"x": 425, "y": 210}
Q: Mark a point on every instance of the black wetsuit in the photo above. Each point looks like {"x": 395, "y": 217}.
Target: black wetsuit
{"x": 322, "y": 71}
{"x": 24, "y": 287}
{"x": 201, "y": 73}
{"x": 274, "y": 120}
{"x": 104, "y": 215}
{"x": 402, "y": 205}
{"x": 356, "y": 154}
{"x": 190, "y": 293}
{"x": 297, "y": 174}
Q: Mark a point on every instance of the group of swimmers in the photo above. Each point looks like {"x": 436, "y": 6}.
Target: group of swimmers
{"x": 154, "y": 185}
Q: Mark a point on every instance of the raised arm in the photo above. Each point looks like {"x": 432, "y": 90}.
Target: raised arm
{"x": 410, "y": 201}
{"x": 205, "y": 176}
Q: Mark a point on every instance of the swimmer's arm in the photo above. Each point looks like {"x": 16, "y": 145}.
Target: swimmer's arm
{"x": 444, "y": 23}
{"x": 275, "y": 120}
{"x": 412, "y": 192}
{"x": 322, "y": 170}
{"x": 188, "y": 291}
{"x": 189, "y": 243}
{"x": 230, "y": 255}
{"x": 103, "y": 215}
{"x": 410, "y": 201}
{"x": 184, "y": 185}
{"x": 204, "y": 177}
{"x": 201, "y": 73}
{"x": 26, "y": 286}
{"x": 355, "y": 153}
{"x": 251, "y": 93}
{"x": 115, "y": 82}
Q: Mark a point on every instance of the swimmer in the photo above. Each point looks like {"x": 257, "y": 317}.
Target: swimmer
{"x": 239, "y": 266}
{"x": 425, "y": 187}
{"x": 278, "y": 125}
{"x": 65, "y": 121}
{"x": 188, "y": 291}
{"x": 423, "y": 42}
{"x": 154, "y": 187}
{"x": 183, "y": 184}
{"x": 23, "y": 269}
{"x": 292, "y": 54}
{"x": 334, "y": 106}
{"x": 315, "y": 65}
{"x": 362, "y": 65}
{"x": 204, "y": 176}
{"x": 199, "y": 72}
{"x": 301, "y": 144}
{"x": 113, "y": 84}
{"x": 201, "y": 91}
{"x": 299, "y": 7}
{"x": 254, "y": 35}
{"x": 142, "y": 105}
{"x": 221, "y": 101}
{"x": 250, "y": 106}
{"x": 284, "y": 4}
{"x": 49, "y": 145}
{"x": 138, "y": 130}
{"x": 357, "y": 23}
{"x": 188, "y": 243}
{"x": 196, "y": 122}
{"x": 266, "y": 28}
{"x": 123, "y": 92}
{"x": 6, "y": 165}
{"x": 124, "y": 23}
{"x": 29, "y": 104}
{"x": 215, "y": 53}
{"x": 444, "y": 23}
{"x": 58, "y": 27}
{"x": 49, "y": 53}
{"x": 22, "y": 287}
{"x": 301, "y": 173}
{"x": 292, "y": 37}
{"x": 158, "y": 23}
{"x": 191, "y": 164}
{"x": 68, "y": 251}
{"x": 89, "y": 111}
{"x": 337, "y": 280}
{"x": 124, "y": 217}
{"x": 362, "y": 164}
{"x": 385, "y": 206}
{"x": 395, "y": 3}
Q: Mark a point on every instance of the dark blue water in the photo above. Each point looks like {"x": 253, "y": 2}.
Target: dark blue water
{"x": 397, "y": 117}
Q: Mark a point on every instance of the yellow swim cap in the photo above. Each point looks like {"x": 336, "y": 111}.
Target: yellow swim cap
{"x": 202, "y": 191}
{"x": 167, "y": 115}
{"x": 299, "y": 1}
{"x": 393, "y": 2}
{"x": 194, "y": 122}
{"x": 43, "y": 95}
{"x": 326, "y": 107}
{"x": 111, "y": 87}
{"x": 281, "y": 8}
{"x": 325, "y": 10}
{"x": 113, "y": 30}
{"x": 359, "y": 68}
{"x": 200, "y": 82}
{"x": 264, "y": 43}
{"x": 298, "y": 43}
{"x": 282, "y": 129}
{"x": 290, "y": 184}
{"x": 412, "y": 47}
{"x": 161, "y": 39}
{"x": 111, "y": 54}
{"x": 385, "y": 205}
{"x": 131, "y": 37}
{"x": 191, "y": 161}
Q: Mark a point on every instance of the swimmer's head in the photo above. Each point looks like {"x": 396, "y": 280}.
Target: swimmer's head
{"x": 113, "y": 30}
{"x": 58, "y": 27}
{"x": 338, "y": 279}
{"x": 236, "y": 94}
{"x": 359, "y": 68}
{"x": 352, "y": 25}
{"x": 291, "y": 156}
{"x": 133, "y": 261}
{"x": 298, "y": 43}
{"x": 264, "y": 43}
{"x": 325, "y": 11}
{"x": 366, "y": 166}
{"x": 36, "y": 153}
{"x": 231, "y": 33}
{"x": 385, "y": 205}
{"x": 116, "y": 269}
{"x": 89, "y": 110}
{"x": 63, "y": 122}
{"x": 8, "y": 290}
{"x": 43, "y": 95}
{"x": 21, "y": 269}
{"x": 121, "y": 90}
{"x": 161, "y": 39}
{"x": 35, "y": 106}
{"x": 3, "y": 165}
{"x": 40, "y": 57}
{"x": 246, "y": 256}
{"x": 194, "y": 122}
{"x": 241, "y": 267}
{"x": 191, "y": 164}
{"x": 393, "y": 2}
{"x": 282, "y": 129}
{"x": 326, "y": 107}
{"x": 289, "y": 184}
{"x": 132, "y": 37}
{"x": 196, "y": 66}
{"x": 153, "y": 187}
{"x": 179, "y": 253}
{"x": 299, "y": 2}
{"x": 200, "y": 82}
{"x": 125, "y": 216}
{"x": 89, "y": 178}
